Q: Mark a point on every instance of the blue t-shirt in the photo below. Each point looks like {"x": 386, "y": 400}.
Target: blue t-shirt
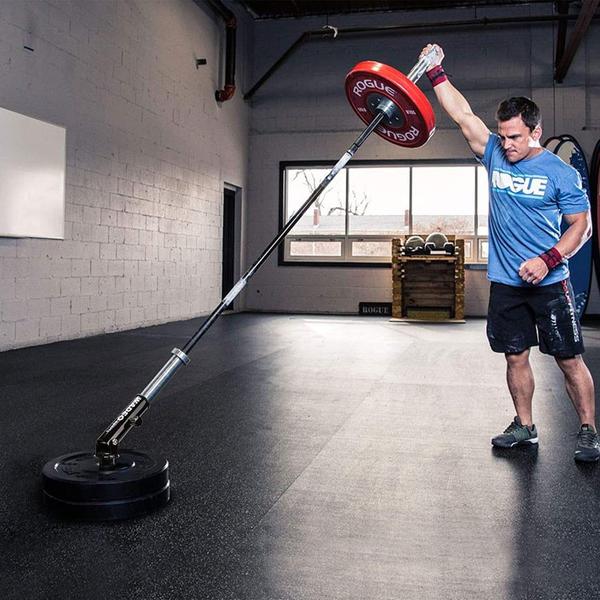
{"x": 527, "y": 201}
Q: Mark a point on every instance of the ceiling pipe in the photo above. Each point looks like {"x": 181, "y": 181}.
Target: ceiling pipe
{"x": 329, "y": 32}
{"x": 230, "y": 43}
{"x": 562, "y": 6}
{"x": 586, "y": 14}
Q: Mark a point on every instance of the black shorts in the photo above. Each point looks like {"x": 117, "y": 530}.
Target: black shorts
{"x": 516, "y": 315}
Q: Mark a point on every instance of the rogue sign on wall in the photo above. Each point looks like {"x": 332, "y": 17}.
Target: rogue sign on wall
{"x": 32, "y": 177}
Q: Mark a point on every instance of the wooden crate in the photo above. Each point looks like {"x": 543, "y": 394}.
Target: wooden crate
{"x": 429, "y": 287}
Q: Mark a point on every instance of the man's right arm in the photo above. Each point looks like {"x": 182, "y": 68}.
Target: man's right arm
{"x": 455, "y": 104}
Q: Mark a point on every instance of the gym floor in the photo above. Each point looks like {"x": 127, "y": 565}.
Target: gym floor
{"x": 311, "y": 458}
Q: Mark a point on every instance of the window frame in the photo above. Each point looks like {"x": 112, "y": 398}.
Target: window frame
{"x": 346, "y": 260}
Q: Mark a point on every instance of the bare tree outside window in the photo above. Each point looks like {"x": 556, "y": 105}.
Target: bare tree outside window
{"x": 318, "y": 219}
{"x": 357, "y": 205}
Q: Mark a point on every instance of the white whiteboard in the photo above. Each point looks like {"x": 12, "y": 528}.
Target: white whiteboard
{"x": 32, "y": 177}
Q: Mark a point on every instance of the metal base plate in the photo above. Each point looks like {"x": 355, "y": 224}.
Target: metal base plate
{"x": 74, "y": 486}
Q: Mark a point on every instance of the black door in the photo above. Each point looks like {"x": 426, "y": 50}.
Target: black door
{"x": 228, "y": 241}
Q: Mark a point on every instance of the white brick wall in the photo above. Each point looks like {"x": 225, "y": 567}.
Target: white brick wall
{"x": 145, "y": 166}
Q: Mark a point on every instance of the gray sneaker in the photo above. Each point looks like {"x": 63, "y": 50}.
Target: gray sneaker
{"x": 588, "y": 446}
{"x": 516, "y": 434}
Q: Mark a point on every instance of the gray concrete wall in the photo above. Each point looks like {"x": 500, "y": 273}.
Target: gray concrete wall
{"x": 148, "y": 152}
{"x": 301, "y": 114}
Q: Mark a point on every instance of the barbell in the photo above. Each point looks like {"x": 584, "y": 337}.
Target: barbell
{"x": 111, "y": 483}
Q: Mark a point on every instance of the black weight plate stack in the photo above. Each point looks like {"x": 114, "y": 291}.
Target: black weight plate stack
{"x": 75, "y": 486}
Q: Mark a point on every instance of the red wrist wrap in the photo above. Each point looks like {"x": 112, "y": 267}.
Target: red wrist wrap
{"x": 437, "y": 75}
{"x": 552, "y": 258}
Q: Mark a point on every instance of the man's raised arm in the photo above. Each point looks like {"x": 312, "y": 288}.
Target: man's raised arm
{"x": 455, "y": 104}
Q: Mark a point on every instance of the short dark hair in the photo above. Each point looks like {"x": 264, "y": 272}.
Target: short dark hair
{"x": 517, "y": 106}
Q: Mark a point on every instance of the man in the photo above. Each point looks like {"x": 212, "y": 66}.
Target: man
{"x": 531, "y": 190}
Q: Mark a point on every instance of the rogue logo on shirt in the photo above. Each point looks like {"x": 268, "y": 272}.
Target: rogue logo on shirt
{"x": 528, "y": 185}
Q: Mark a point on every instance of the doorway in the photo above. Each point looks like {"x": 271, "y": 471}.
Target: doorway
{"x": 229, "y": 242}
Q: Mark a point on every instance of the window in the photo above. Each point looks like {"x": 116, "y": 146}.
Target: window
{"x": 368, "y": 204}
{"x": 443, "y": 200}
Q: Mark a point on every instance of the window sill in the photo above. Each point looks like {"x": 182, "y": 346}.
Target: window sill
{"x": 363, "y": 265}
{"x": 340, "y": 264}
